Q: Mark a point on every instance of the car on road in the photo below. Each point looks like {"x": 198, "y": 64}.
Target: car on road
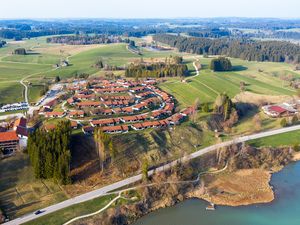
{"x": 39, "y": 212}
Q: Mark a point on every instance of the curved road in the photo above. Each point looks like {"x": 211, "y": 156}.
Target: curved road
{"x": 104, "y": 190}
{"x": 26, "y": 89}
{"x": 147, "y": 185}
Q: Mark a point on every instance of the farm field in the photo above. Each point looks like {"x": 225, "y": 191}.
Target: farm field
{"x": 208, "y": 84}
{"x": 261, "y": 78}
{"x": 42, "y": 56}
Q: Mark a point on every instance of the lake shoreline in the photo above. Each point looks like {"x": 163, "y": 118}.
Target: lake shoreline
{"x": 235, "y": 187}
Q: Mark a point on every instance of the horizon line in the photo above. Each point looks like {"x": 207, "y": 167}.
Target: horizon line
{"x": 146, "y": 18}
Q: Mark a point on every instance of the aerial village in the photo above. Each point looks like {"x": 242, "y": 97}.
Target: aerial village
{"x": 118, "y": 106}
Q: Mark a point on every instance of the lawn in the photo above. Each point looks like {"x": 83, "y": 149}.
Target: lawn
{"x": 64, "y": 215}
{"x": 285, "y": 139}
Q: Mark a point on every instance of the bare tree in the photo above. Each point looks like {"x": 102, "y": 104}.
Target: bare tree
{"x": 257, "y": 122}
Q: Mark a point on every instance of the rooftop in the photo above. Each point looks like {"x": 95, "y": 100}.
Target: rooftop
{"x": 8, "y": 136}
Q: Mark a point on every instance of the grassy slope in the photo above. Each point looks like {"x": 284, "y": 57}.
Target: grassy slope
{"x": 20, "y": 192}
{"x": 34, "y": 58}
{"x": 13, "y": 68}
{"x": 115, "y": 54}
{"x": 34, "y": 92}
{"x": 286, "y": 139}
{"x": 208, "y": 84}
{"x": 11, "y": 92}
{"x": 62, "y": 216}
{"x": 206, "y": 87}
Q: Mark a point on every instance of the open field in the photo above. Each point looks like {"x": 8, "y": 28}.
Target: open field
{"x": 20, "y": 192}
{"x": 64, "y": 215}
{"x": 11, "y": 92}
{"x": 42, "y": 56}
{"x": 261, "y": 78}
{"x": 209, "y": 84}
{"x": 34, "y": 92}
{"x": 286, "y": 139}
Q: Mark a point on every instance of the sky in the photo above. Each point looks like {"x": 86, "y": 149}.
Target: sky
{"x": 148, "y": 8}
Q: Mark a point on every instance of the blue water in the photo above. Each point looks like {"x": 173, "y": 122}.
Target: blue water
{"x": 284, "y": 210}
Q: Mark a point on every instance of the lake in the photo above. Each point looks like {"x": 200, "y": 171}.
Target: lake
{"x": 284, "y": 210}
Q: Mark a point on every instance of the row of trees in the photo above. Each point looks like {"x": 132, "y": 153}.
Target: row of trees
{"x": 274, "y": 51}
{"x": 50, "y": 154}
{"x": 85, "y": 39}
{"x": 20, "y": 34}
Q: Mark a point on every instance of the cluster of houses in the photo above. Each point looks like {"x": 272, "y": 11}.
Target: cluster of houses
{"x": 122, "y": 105}
{"x": 281, "y": 110}
{"x": 13, "y": 137}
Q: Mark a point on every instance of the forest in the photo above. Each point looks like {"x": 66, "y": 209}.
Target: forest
{"x": 273, "y": 51}
{"x": 86, "y": 39}
{"x": 49, "y": 153}
{"x": 172, "y": 67}
{"x": 213, "y": 27}
{"x": 210, "y": 33}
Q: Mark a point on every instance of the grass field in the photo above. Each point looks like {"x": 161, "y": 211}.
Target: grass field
{"x": 208, "y": 84}
{"x": 34, "y": 92}
{"x": 43, "y": 55}
{"x": 286, "y": 139}
{"x": 33, "y": 59}
{"x": 11, "y": 92}
{"x": 64, "y": 215}
{"x": 20, "y": 192}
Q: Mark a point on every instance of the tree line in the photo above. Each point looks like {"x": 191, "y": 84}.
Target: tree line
{"x": 50, "y": 154}
{"x": 160, "y": 69}
{"x": 86, "y": 39}
{"x": 210, "y": 33}
{"x": 273, "y": 51}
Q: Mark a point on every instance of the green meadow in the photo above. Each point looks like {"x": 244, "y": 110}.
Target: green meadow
{"x": 285, "y": 139}
{"x": 260, "y": 78}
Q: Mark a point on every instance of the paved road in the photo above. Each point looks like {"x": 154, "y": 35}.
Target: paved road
{"x": 104, "y": 190}
{"x": 9, "y": 116}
